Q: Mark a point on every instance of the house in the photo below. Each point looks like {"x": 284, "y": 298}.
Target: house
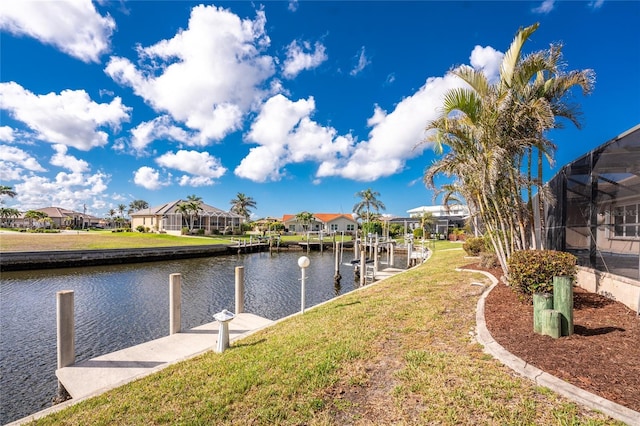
{"x": 166, "y": 218}
{"x": 445, "y": 217}
{"x": 325, "y": 222}
{"x": 61, "y": 218}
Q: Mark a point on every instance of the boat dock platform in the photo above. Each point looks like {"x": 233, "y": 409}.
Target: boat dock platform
{"x": 100, "y": 374}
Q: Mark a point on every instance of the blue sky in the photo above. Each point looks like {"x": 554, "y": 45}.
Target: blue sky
{"x": 298, "y": 105}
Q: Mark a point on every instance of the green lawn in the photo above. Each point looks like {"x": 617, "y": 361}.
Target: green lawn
{"x": 397, "y": 352}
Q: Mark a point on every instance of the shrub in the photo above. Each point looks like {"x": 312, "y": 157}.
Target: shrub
{"x": 200, "y": 232}
{"x": 532, "y": 271}
{"x": 417, "y": 233}
{"x": 185, "y": 231}
{"x": 140, "y": 228}
{"x": 488, "y": 260}
{"x": 474, "y": 245}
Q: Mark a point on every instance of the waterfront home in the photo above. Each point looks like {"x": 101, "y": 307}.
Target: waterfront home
{"x": 168, "y": 218}
{"x": 325, "y": 222}
{"x": 60, "y": 218}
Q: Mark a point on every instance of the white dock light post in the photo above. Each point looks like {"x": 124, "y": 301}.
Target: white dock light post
{"x": 223, "y": 332}
{"x": 303, "y": 263}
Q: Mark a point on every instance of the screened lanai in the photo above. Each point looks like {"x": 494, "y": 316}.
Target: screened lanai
{"x": 596, "y": 214}
{"x": 169, "y": 218}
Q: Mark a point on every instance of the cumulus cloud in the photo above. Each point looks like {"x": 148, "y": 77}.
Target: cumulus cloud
{"x": 361, "y": 64}
{"x": 546, "y": 7}
{"x": 149, "y": 178}
{"x": 14, "y": 162}
{"x": 302, "y": 56}
{"x": 70, "y": 118}
{"x": 286, "y": 134}
{"x": 161, "y": 127}
{"x": 200, "y": 164}
{"x": 61, "y": 159}
{"x": 207, "y": 76}
{"x": 6, "y": 134}
{"x": 72, "y": 26}
{"x": 488, "y": 60}
{"x": 69, "y": 190}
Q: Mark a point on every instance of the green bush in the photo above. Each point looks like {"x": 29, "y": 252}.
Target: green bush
{"x": 140, "y": 228}
{"x": 532, "y": 271}
{"x": 417, "y": 233}
{"x": 488, "y": 260}
{"x": 474, "y": 245}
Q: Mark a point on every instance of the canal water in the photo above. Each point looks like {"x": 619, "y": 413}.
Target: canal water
{"x": 119, "y": 306}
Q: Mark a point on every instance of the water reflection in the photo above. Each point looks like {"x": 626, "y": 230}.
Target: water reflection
{"x": 119, "y": 306}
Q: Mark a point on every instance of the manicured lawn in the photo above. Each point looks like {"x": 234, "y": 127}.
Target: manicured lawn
{"x": 397, "y": 352}
{"x": 95, "y": 240}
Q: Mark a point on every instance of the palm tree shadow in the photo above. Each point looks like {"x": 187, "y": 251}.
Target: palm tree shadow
{"x": 585, "y": 331}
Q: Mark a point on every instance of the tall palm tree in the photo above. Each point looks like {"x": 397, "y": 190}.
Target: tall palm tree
{"x": 8, "y": 213}
{"x": 111, "y": 214}
{"x": 121, "y": 209}
{"x": 368, "y": 201}
{"x": 242, "y": 205}
{"x": 491, "y": 129}
{"x": 190, "y": 209}
{"x": 7, "y": 190}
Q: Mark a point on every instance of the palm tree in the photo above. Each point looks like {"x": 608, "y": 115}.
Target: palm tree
{"x": 111, "y": 214}
{"x": 369, "y": 201}
{"x": 8, "y": 213}
{"x": 35, "y": 215}
{"x": 190, "y": 209}
{"x": 304, "y": 218}
{"x": 121, "y": 209}
{"x": 7, "y": 190}
{"x": 242, "y": 204}
{"x": 491, "y": 129}
{"x": 137, "y": 205}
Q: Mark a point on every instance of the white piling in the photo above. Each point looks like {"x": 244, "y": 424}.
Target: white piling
{"x": 65, "y": 328}
{"x": 175, "y": 303}
{"x": 239, "y": 289}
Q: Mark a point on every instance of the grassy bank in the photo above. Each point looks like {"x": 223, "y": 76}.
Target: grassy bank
{"x": 97, "y": 240}
{"x": 398, "y": 352}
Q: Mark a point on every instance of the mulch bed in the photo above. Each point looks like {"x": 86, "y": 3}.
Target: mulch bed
{"x": 601, "y": 357}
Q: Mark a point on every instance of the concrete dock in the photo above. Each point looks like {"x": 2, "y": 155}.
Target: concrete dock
{"x": 109, "y": 371}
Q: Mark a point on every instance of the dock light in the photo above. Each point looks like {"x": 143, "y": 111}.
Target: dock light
{"x": 223, "y": 332}
{"x": 303, "y": 263}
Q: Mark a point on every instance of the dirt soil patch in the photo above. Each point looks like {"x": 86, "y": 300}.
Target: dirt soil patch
{"x": 601, "y": 357}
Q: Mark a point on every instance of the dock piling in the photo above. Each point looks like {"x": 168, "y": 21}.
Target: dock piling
{"x": 175, "y": 303}
{"x": 239, "y": 289}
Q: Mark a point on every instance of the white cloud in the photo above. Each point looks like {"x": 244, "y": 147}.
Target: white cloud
{"x": 286, "y": 134}
{"x": 488, "y": 60}
{"x": 70, "y": 118}
{"x": 546, "y": 7}
{"x": 597, "y": 4}
{"x": 187, "y": 180}
{"x": 148, "y": 177}
{"x": 61, "y": 159}
{"x": 68, "y": 190}
{"x": 362, "y": 63}
{"x": 200, "y": 164}
{"x": 159, "y": 128}
{"x": 293, "y": 5}
{"x": 301, "y": 56}
{"x": 74, "y": 26}
{"x": 207, "y": 76}
{"x": 14, "y": 161}
{"x": 6, "y": 134}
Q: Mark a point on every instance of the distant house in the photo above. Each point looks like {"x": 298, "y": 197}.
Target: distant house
{"x": 325, "y": 222}
{"x": 61, "y": 218}
{"x": 445, "y": 217}
{"x": 167, "y": 218}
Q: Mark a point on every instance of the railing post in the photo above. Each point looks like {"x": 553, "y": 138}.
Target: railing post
{"x": 239, "y": 289}
{"x": 65, "y": 328}
{"x": 175, "y": 303}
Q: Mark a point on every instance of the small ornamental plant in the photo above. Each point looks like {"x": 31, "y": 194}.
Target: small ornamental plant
{"x": 532, "y": 271}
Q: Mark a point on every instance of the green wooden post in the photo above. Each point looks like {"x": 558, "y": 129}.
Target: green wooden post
{"x": 563, "y": 302}
{"x": 541, "y": 301}
{"x": 551, "y": 322}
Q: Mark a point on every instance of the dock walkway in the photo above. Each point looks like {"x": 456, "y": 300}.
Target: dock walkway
{"x": 106, "y": 372}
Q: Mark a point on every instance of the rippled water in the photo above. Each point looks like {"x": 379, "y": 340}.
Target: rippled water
{"x": 123, "y": 305}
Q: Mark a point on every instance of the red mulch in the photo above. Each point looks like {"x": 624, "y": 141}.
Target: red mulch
{"x": 601, "y": 357}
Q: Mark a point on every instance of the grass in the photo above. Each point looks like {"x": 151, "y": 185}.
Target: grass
{"x": 97, "y": 240}
{"x": 398, "y": 352}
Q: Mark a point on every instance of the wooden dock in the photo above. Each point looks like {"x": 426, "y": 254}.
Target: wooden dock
{"x": 100, "y": 374}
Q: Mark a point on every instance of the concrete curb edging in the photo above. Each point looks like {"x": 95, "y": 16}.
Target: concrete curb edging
{"x": 588, "y": 399}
